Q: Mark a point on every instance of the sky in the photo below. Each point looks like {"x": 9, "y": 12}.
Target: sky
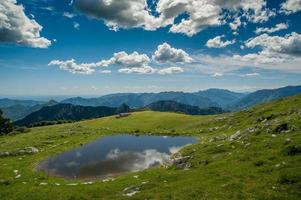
{"x": 97, "y": 47}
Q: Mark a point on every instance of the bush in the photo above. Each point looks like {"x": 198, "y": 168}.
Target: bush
{"x": 5, "y": 126}
{"x": 292, "y": 150}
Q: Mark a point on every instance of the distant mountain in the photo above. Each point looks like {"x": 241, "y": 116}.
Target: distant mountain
{"x": 16, "y": 112}
{"x": 222, "y": 97}
{"x": 13, "y": 102}
{"x": 264, "y": 96}
{"x": 173, "y": 106}
{"x": 136, "y": 100}
{"x": 60, "y": 112}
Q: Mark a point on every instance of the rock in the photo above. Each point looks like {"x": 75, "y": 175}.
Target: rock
{"x": 248, "y": 144}
{"x": 4, "y": 154}
{"x": 72, "y": 184}
{"x": 87, "y": 183}
{"x": 18, "y": 176}
{"x": 43, "y": 183}
{"x": 235, "y": 136}
{"x": 4, "y": 182}
{"x": 215, "y": 138}
{"x": 181, "y": 162}
{"x": 287, "y": 141}
{"x": 28, "y": 150}
{"x": 131, "y": 191}
{"x": 281, "y": 128}
{"x": 214, "y": 129}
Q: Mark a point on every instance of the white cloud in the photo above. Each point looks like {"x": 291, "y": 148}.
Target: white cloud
{"x": 291, "y": 6}
{"x": 129, "y": 63}
{"x": 236, "y": 23}
{"x": 16, "y": 27}
{"x": 201, "y": 13}
{"x": 288, "y": 45}
{"x": 207, "y": 64}
{"x": 170, "y": 70}
{"x": 68, "y": 15}
{"x": 106, "y": 72}
{"x": 278, "y": 27}
{"x": 218, "y": 43}
{"x": 217, "y": 74}
{"x": 137, "y": 161}
{"x": 119, "y": 13}
{"x": 167, "y": 54}
{"x": 250, "y": 74}
{"x": 72, "y": 66}
{"x": 126, "y": 60}
{"x": 138, "y": 70}
{"x": 277, "y": 52}
{"x": 76, "y": 25}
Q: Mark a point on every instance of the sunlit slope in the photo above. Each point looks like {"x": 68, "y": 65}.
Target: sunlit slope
{"x": 252, "y": 154}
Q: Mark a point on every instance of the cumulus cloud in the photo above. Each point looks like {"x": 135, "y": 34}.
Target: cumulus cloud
{"x": 201, "y": 13}
{"x": 72, "y": 66}
{"x": 290, "y": 44}
{"x": 119, "y": 13}
{"x": 170, "y": 70}
{"x": 291, "y": 6}
{"x": 129, "y": 63}
{"x": 167, "y": 54}
{"x": 126, "y": 60}
{"x": 138, "y": 70}
{"x": 225, "y": 63}
{"x": 276, "y": 51}
{"x": 218, "y": 43}
{"x": 16, "y": 27}
{"x": 278, "y": 27}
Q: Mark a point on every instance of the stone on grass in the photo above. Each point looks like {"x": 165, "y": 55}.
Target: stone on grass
{"x": 215, "y": 138}
{"x": 235, "y": 136}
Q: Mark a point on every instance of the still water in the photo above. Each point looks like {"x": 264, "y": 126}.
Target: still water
{"x": 114, "y": 155}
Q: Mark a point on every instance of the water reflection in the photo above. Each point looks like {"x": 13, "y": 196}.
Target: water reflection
{"x": 114, "y": 155}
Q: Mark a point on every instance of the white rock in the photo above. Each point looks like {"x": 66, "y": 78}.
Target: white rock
{"x": 235, "y": 136}
{"x": 131, "y": 193}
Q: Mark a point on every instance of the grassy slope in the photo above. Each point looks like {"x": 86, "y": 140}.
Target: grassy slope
{"x": 243, "y": 169}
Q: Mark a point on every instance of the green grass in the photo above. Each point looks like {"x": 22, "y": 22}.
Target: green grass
{"x": 261, "y": 166}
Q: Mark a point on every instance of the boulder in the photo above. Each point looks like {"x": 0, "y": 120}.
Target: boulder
{"x": 215, "y": 138}
{"x": 235, "y": 136}
{"x": 181, "y": 162}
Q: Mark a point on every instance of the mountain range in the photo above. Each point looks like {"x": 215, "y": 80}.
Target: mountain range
{"x": 173, "y": 106}
{"x": 210, "y": 101}
{"x": 59, "y": 112}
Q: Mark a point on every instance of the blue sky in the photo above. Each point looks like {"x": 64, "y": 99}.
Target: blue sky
{"x": 86, "y": 48}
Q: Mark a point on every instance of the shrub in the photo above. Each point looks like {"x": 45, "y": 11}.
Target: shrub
{"x": 5, "y": 125}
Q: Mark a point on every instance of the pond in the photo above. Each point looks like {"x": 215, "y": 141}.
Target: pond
{"x": 114, "y": 155}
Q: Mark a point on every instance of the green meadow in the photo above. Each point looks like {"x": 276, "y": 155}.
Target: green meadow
{"x": 251, "y": 154}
